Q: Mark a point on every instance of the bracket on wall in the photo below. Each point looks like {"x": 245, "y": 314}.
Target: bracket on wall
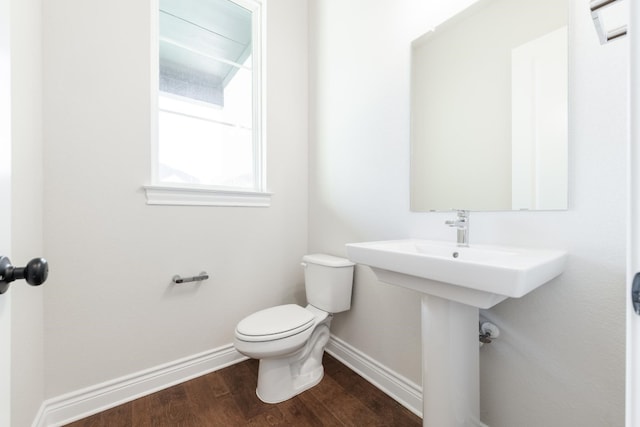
{"x": 603, "y": 35}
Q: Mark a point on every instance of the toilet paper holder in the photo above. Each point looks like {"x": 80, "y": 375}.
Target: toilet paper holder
{"x": 177, "y": 279}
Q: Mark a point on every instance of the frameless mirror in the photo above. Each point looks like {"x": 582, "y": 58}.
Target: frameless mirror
{"x": 489, "y": 123}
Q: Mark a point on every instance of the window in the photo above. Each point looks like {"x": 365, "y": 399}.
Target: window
{"x": 208, "y": 145}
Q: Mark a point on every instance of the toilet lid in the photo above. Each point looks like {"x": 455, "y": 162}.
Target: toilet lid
{"x": 275, "y": 323}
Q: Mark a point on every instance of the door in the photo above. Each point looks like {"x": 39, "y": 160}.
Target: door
{"x": 633, "y": 268}
{"x": 5, "y": 210}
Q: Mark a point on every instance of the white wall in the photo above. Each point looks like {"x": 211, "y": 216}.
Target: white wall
{"x": 560, "y": 360}
{"x": 27, "y": 345}
{"x": 110, "y": 308}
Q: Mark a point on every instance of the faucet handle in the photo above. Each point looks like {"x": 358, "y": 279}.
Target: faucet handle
{"x": 461, "y": 220}
{"x": 462, "y": 224}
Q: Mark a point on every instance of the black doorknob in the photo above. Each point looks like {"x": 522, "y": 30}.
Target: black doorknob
{"x": 35, "y": 272}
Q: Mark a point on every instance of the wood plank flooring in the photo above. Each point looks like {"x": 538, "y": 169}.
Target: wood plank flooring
{"x": 227, "y": 398}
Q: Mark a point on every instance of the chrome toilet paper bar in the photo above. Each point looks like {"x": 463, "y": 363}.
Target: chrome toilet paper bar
{"x": 200, "y": 277}
{"x": 604, "y": 35}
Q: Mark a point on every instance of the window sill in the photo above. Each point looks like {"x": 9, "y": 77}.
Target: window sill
{"x": 193, "y": 196}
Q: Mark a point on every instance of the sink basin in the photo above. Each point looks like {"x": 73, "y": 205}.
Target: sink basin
{"x": 479, "y": 275}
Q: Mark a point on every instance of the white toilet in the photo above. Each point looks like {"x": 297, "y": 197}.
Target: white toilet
{"x": 288, "y": 339}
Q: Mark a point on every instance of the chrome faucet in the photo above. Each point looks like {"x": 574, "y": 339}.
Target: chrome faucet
{"x": 462, "y": 224}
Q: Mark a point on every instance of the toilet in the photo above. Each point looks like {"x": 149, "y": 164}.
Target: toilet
{"x": 289, "y": 340}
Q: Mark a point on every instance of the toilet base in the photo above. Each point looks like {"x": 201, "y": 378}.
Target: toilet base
{"x": 276, "y": 384}
{"x": 280, "y": 379}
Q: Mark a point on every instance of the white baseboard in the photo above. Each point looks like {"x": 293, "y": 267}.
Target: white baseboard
{"x": 399, "y": 388}
{"x": 82, "y": 403}
{"x": 91, "y": 400}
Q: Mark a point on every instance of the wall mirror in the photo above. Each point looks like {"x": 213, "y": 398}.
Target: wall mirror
{"x": 489, "y": 122}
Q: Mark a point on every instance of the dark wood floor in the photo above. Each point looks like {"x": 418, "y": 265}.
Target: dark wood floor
{"x": 227, "y": 398}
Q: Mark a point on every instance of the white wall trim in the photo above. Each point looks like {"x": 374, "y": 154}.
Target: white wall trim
{"x": 399, "y": 388}
{"x": 82, "y": 403}
{"x": 175, "y": 195}
{"x": 91, "y": 400}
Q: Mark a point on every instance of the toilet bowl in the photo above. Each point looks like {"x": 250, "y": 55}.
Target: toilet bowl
{"x": 289, "y": 340}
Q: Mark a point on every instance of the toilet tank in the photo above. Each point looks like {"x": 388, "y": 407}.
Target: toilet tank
{"x": 328, "y": 282}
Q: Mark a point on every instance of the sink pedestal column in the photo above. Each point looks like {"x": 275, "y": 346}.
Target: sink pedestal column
{"x": 450, "y": 364}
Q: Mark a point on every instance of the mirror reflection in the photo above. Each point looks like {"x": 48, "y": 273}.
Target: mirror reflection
{"x": 489, "y": 109}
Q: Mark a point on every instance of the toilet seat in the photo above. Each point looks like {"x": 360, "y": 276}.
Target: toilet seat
{"x": 275, "y": 323}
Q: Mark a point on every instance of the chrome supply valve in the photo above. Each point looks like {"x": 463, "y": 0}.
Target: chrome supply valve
{"x": 488, "y": 332}
{"x": 462, "y": 224}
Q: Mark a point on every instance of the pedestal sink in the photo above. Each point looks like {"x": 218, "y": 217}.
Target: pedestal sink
{"x": 455, "y": 282}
